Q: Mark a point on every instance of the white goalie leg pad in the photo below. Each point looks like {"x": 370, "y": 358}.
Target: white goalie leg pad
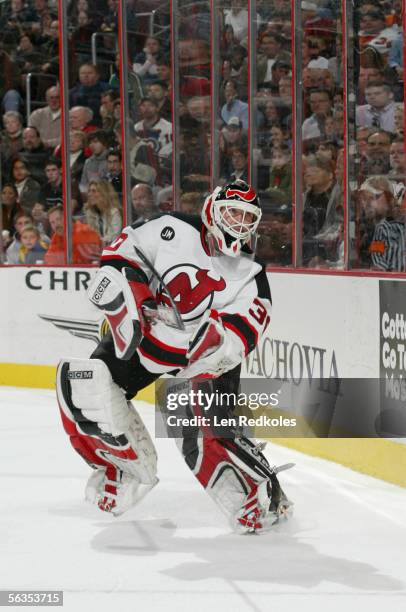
{"x": 99, "y": 398}
{"x": 101, "y": 401}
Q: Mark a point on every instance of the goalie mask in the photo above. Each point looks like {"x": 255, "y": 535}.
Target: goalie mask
{"x": 231, "y": 215}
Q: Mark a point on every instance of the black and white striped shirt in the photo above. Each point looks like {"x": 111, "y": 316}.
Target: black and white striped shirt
{"x": 387, "y": 248}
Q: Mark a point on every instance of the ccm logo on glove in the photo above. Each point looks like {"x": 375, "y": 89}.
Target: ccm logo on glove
{"x": 101, "y": 288}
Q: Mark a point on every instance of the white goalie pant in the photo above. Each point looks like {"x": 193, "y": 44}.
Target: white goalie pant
{"x": 107, "y": 431}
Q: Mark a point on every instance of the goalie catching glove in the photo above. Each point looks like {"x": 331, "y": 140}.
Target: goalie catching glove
{"x": 128, "y": 305}
{"x": 213, "y": 349}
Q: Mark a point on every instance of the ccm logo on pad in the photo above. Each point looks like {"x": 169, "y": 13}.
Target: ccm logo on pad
{"x": 81, "y": 374}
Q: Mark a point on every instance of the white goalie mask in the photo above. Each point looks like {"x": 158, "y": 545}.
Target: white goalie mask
{"x": 231, "y": 215}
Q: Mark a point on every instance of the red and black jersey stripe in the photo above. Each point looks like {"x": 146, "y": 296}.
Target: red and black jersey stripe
{"x": 118, "y": 262}
{"x": 162, "y": 353}
{"x": 242, "y": 328}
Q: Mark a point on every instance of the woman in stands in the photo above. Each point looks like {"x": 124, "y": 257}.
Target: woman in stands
{"x": 103, "y": 210}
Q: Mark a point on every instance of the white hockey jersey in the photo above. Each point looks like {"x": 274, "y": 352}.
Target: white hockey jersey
{"x": 176, "y": 246}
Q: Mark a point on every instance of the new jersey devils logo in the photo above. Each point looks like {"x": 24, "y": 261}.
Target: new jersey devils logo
{"x": 247, "y": 196}
{"x": 192, "y": 289}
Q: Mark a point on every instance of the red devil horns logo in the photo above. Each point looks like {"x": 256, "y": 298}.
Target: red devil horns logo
{"x": 188, "y": 298}
{"x": 247, "y": 196}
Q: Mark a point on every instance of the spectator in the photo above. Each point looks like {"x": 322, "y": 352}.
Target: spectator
{"x": 234, "y": 107}
{"x": 271, "y": 46}
{"x": 145, "y": 63}
{"x": 232, "y": 135}
{"x": 399, "y": 119}
{"x": 96, "y": 166}
{"x": 20, "y": 221}
{"x": 239, "y": 163}
{"x": 153, "y": 128}
{"x": 165, "y": 199}
{"x": 27, "y": 57}
{"x": 27, "y": 188}
{"x": 387, "y": 248}
{"x": 191, "y": 202}
{"x": 77, "y": 157}
{"x": 236, "y": 68}
{"x": 40, "y": 216}
{"x": 164, "y": 74}
{"x": 107, "y": 107}
{"x": 81, "y": 37}
{"x": 237, "y": 18}
{"x": 103, "y": 210}
{"x": 396, "y": 55}
{"x": 142, "y": 199}
{"x": 320, "y": 105}
{"x": 397, "y": 161}
{"x": 275, "y": 236}
{"x": 88, "y": 91}
{"x": 86, "y": 242}
{"x": 47, "y": 120}
{"x": 80, "y": 118}
{"x": 368, "y": 74}
{"x": 50, "y": 51}
{"x": 41, "y": 8}
{"x": 9, "y": 207}
{"x": 114, "y": 173}
{"x": 379, "y": 112}
{"x": 35, "y": 154}
{"x": 285, "y": 90}
{"x": 51, "y": 193}
{"x": 32, "y": 249}
{"x": 280, "y": 69}
{"x": 280, "y": 183}
{"x": 9, "y": 83}
{"x": 373, "y": 30}
{"x": 199, "y": 109}
{"x": 11, "y": 140}
{"x": 376, "y": 157}
{"x": 319, "y": 182}
{"x": 158, "y": 91}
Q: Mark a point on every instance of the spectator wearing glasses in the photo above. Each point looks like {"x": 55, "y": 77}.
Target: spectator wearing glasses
{"x": 376, "y": 157}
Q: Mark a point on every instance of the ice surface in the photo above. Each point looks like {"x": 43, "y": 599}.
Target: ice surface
{"x": 344, "y": 549}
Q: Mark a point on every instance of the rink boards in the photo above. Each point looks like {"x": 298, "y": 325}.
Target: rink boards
{"x": 322, "y": 326}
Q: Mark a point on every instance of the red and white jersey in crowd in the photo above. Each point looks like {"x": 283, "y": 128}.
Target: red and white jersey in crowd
{"x": 176, "y": 246}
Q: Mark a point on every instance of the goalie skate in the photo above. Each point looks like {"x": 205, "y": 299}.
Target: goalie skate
{"x": 115, "y": 491}
{"x": 263, "y": 507}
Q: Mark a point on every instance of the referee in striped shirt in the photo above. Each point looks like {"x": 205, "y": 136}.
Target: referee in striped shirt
{"x": 387, "y": 248}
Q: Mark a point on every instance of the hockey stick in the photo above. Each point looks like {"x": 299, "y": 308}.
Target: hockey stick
{"x": 145, "y": 260}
